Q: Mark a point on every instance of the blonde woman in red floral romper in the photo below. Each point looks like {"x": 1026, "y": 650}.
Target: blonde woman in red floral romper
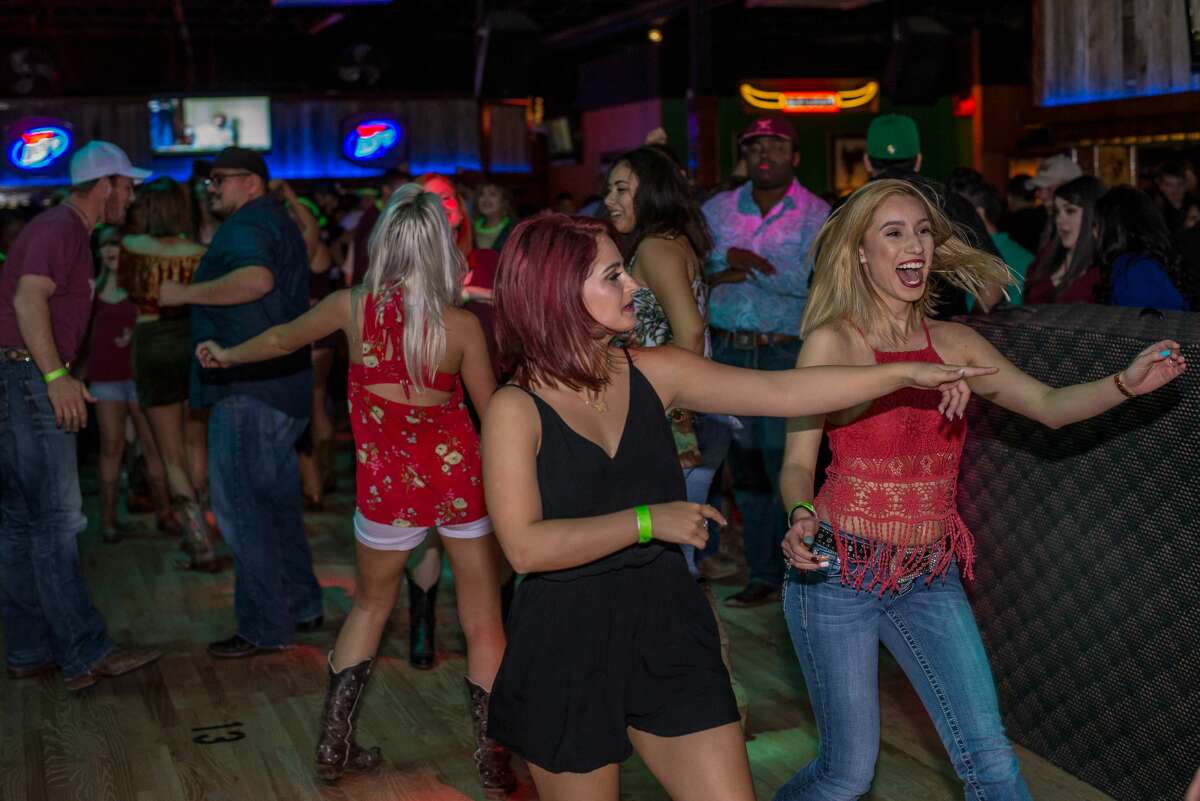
{"x": 416, "y": 455}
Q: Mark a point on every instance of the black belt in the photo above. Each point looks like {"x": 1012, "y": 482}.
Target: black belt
{"x": 825, "y": 539}
{"x": 752, "y": 339}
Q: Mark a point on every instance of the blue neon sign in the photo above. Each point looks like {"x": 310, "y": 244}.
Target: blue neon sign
{"x": 38, "y": 147}
{"x": 371, "y": 140}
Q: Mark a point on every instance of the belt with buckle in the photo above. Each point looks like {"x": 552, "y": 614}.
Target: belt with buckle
{"x": 17, "y": 355}
{"x": 826, "y": 539}
{"x": 752, "y": 339}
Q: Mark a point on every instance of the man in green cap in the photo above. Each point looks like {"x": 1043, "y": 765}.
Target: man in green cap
{"x": 892, "y": 143}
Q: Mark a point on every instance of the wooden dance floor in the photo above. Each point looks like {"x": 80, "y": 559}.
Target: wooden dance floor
{"x": 193, "y": 728}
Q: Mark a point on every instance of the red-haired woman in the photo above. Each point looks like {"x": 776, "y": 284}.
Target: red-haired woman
{"x": 612, "y": 645}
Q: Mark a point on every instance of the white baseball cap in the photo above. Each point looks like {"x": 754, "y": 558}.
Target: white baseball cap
{"x": 98, "y": 159}
{"x": 1054, "y": 171}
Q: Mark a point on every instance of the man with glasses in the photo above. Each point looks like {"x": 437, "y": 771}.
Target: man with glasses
{"x": 46, "y": 291}
{"x": 758, "y": 270}
{"x": 255, "y": 275}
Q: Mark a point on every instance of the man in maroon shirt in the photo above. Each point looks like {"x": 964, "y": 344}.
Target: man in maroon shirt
{"x": 45, "y": 301}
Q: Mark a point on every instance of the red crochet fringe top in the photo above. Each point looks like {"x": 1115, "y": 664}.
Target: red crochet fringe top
{"x": 893, "y": 483}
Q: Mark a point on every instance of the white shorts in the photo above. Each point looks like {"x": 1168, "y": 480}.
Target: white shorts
{"x": 385, "y": 537}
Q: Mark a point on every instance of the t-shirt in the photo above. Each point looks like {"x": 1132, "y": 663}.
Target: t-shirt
{"x": 261, "y": 234}
{"x": 56, "y": 245}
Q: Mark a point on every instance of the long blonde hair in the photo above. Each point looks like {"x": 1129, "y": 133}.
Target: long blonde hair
{"x": 842, "y": 289}
{"x": 411, "y": 251}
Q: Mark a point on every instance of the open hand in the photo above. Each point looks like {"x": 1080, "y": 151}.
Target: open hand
{"x": 682, "y": 522}
{"x": 950, "y": 380}
{"x": 1154, "y": 367}
{"x": 211, "y": 355}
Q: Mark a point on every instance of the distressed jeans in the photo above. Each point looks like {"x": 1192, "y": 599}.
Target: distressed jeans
{"x": 930, "y": 630}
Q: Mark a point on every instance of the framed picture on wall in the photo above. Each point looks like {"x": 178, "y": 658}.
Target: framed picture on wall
{"x": 1114, "y": 164}
{"x": 849, "y": 173}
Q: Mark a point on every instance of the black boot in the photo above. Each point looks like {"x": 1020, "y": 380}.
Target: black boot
{"x": 422, "y": 621}
{"x": 336, "y": 750}
{"x": 491, "y": 758}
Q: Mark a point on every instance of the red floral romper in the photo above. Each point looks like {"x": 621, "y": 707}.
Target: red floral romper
{"x": 416, "y": 466}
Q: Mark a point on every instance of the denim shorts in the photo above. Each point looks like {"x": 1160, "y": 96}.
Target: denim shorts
{"x": 114, "y": 391}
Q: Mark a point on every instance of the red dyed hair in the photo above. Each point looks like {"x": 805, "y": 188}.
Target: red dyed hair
{"x": 545, "y": 333}
{"x": 462, "y": 235}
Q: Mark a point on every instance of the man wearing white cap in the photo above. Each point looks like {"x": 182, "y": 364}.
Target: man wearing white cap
{"x": 45, "y": 303}
{"x": 1052, "y": 172}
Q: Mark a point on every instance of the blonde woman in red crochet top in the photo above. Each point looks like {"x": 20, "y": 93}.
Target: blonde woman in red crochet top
{"x": 876, "y": 556}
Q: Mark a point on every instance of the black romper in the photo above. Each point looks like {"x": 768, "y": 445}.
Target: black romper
{"x": 626, "y": 640}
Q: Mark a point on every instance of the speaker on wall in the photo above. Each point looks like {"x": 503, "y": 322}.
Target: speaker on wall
{"x": 1088, "y": 543}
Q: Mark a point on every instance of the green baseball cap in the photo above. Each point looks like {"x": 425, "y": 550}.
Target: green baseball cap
{"x": 892, "y": 137}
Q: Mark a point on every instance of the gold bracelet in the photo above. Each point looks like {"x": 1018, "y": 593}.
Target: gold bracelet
{"x": 1121, "y": 386}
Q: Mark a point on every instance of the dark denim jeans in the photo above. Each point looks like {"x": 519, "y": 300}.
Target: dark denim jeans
{"x": 713, "y": 433}
{"x": 930, "y": 630}
{"x": 48, "y": 613}
{"x": 755, "y": 460}
{"x": 254, "y": 476}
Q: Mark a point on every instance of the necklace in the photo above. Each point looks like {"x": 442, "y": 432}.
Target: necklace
{"x": 599, "y": 404}
{"x": 481, "y": 226}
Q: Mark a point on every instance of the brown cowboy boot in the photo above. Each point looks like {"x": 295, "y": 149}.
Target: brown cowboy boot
{"x": 197, "y": 541}
{"x": 491, "y": 758}
{"x": 336, "y": 750}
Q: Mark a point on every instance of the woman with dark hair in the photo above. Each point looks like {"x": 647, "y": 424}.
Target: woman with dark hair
{"x": 1065, "y": 271}
{"x": 1138, "y": 261}
{"x": 162, "y": 249}
{"x": 496, "y": 217}
{"x": 110, "y": 380}
{"x": 665, "y": 240}
{"x": 612, "y": 645}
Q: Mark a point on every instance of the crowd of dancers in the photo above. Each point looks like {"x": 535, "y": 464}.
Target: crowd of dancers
{"x": 614, "y": 364}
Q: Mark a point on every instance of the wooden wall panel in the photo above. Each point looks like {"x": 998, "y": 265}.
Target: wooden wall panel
{"x": 1089, "y": 50}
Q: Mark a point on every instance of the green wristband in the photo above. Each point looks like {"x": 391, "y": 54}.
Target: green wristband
{"x": 645, "y": 525}
{"x": 54, "y": 374}
{"x": 800, "y": 505}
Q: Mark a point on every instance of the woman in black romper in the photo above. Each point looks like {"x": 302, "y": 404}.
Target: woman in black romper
{"x": 612, "y": 646}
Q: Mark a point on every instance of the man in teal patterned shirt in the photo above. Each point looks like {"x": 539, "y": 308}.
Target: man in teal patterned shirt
{"x": 759, "y": 271}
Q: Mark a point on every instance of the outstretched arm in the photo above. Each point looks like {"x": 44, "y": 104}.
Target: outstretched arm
{"x": 1055, "y": 407}
{"x": 321, "y": 320}
{"x": 688, "y": 381}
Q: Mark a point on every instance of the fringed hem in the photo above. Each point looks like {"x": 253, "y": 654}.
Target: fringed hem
{"x": 887, "y": 563}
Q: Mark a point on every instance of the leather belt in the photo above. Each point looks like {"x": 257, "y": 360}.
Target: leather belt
{"x": 746, "y": 340}
{"x": 16, "y": 355}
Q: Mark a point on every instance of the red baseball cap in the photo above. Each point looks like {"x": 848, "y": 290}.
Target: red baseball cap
{"x": 768, "y": 126}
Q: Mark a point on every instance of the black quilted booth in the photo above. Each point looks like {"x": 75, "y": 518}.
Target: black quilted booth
{"x": 1087, "y": 585}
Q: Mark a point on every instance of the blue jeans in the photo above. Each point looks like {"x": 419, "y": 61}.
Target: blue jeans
{"x": 254, "y": 476}
{"x": 755, "y": 460}
{"x": 931, "y": 632}
{"x": 713, "y": 433}
{"x": 48, "y": 612}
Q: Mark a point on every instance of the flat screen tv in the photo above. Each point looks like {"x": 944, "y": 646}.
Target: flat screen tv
{"x": 185, "y": 125}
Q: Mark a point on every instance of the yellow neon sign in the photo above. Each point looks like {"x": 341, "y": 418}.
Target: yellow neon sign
{"x": 821, "y": 102}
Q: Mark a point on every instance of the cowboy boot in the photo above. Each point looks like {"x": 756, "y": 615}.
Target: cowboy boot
{"x": 336, "y": 750}
{"x": 197, "y": 541}
{"x": 491, "y": 758}
{"x": 109, "y": 530}
{"x": 422, "y": 622}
